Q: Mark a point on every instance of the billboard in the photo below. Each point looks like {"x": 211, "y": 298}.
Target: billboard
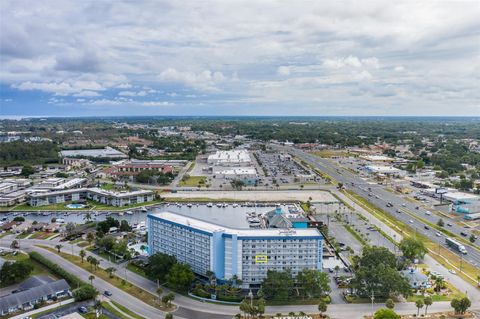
{"x": 261, "y": 259}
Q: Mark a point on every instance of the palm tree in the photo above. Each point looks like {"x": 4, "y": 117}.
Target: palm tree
{"x": 438, "y": 283}
{"x": 91, "y": 277}
{"x": 159, "y": 293}
{"x": 14, "y": 244}
{"x": 322, "y": 307}
{"x": 59, "y": 247}
{"x": 110, "y": 271}
{"x": 428, "y": 302}
{"x": 419, "y": 304}
{"x": 87, "y": 217}
{"x": 98, "y": 306}
{"x": 82, "y": 254}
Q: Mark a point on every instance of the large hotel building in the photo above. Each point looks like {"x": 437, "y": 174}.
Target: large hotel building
{"x": 246, "y": 252}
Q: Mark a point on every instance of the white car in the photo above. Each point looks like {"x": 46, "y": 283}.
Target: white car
{"x": 438, "y": 234}
{"x": 410, "y": 221}
{"x": 452, "y": 271}
{"x": 404, "y": 205}
{"x": 428, "y": 213}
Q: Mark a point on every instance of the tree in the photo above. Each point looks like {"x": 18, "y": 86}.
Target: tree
{"x": 14, "y": 272}
{"x": 110, "y": 271}
{"x": 91, "y": 278}
{"x": 85, "y": 292}
{"x": 19, "y": 219}
{"x": 180, "y": 277}
{"x": 412, "y": 248}
{"x": 87, "y": 217}
{"x": 168, "y": 298}
{"x": 438, "y": 283}
{"x": 169, "y": 315}
{"x": 58, "y": 247}
{"x": 428, "y": 301}
{"x": 15, "y": 244}
{"x": 278, "y": 285}
{"x": 90, "y": 237}
{"x": 69, "y": 227}
{"x": 419, "y": 304}
{"x": 124, "y": 226}
{"x": 375, "y": 271}
{"x": 313, "y": 283}
{"x": 472, "y": 238}
{"x": 261, "y": 306}
{"x": 390, "y": 304}
{"x": 159, "y": 293}
{"x": 461, "y": 305}
{"x": 385, "y": 313}
{"x": 82, "y": 254}
{"x": 27, "y": 170}
{"x": 322, "y": 307}
{"x": 158, "y": 266}
{"x": 237, "y": 184}
{"x": 440, "y": 223}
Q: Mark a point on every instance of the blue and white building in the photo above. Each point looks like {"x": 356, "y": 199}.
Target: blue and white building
{"x": 246, "y": 252}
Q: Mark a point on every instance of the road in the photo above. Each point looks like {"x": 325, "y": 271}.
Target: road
{"x": 193, "y": 309}
{"x": 381, "y": 196}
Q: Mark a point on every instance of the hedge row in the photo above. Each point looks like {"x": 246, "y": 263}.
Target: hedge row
{"x": 74, "y": 281}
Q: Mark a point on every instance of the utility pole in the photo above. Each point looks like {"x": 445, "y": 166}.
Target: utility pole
{"x": 372, "y": 298}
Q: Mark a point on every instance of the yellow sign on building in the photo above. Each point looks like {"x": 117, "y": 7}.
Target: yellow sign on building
{"x": 261, "y": 259}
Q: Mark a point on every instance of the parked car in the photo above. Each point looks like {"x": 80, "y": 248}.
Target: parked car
{"x": 107, "y": 293}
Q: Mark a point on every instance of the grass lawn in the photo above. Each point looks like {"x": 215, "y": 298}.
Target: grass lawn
{"x": 22, "y": 235}
{"x": 83, "y": 244}
{"x": 127, "y": 311}
{"x": 331, "y": 153}
{"x": 40, "y": 235}
{"x": 38, "y": 269}
{"x": 107, "y": 186}
{"x": 138, "y": 270}
{"x": 193, "y": 181}
{"x": 133, "y": 290}
{"x": 5, "y": 234}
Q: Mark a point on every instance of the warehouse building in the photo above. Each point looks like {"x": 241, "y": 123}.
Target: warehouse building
{"x": 230, "y": 158}
{"x": 106, "y": 152}
{"x": 247, "y": 252}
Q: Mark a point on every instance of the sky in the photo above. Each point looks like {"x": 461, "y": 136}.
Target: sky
{"x": 262, "y": 57}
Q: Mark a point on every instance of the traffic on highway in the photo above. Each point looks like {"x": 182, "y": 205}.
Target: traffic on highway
{"x": 407, "y": 212}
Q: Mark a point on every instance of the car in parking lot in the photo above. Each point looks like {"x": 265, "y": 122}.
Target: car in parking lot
{"x": 82, "y": 309}
{"x": 426, "y": 227}
{"x": 449, "y": 224}
{"x": 428, "y": 213}
{"x": 438, "y": 234}
{"x": 464, "y": 234}
{"x": 410, "y": 221}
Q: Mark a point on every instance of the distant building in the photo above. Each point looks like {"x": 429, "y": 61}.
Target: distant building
{"x": 135, "y": 167}
{"x": 106, "y": 152}
{"x": 230, "y": 158}
{"x": 118, "y": 199}
{"x": 26, "y": 299}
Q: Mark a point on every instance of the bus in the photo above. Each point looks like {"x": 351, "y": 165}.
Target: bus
{"x": 456, "y": 245}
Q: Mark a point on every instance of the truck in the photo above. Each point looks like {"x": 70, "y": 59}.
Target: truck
{"x": 452, "y": 243}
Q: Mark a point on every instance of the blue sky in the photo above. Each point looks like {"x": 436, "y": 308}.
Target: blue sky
{"x": 74, "y": 58}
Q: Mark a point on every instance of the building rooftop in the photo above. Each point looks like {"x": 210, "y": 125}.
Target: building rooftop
{"x": 107, "y": 152}
{"x": 211, "y": 227}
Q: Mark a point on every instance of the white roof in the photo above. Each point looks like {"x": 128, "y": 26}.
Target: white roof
{"x": 382, "y": 169}
{"x": 105, "y": 152}
{"x": 246, "y": 232}
{"x": 234, "y": 156}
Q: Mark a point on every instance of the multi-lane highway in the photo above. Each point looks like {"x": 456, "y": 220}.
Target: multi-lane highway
{"x": 401, "y": 209}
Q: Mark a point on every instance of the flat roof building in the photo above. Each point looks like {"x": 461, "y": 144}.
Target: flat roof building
{"x": 245, "y": 252}
{"x": 229, "y": 158}
{"x": 106, "y": 152}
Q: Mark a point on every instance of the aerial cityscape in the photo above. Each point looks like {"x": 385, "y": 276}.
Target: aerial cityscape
{"x": 239, "y": 159}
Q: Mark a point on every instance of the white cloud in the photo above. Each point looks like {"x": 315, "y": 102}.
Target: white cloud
{"x": 205, "y": 80}
{"x": 132, "y": 93}
{"x": 86, "y": 94}
{"x": 283, "y": 70}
